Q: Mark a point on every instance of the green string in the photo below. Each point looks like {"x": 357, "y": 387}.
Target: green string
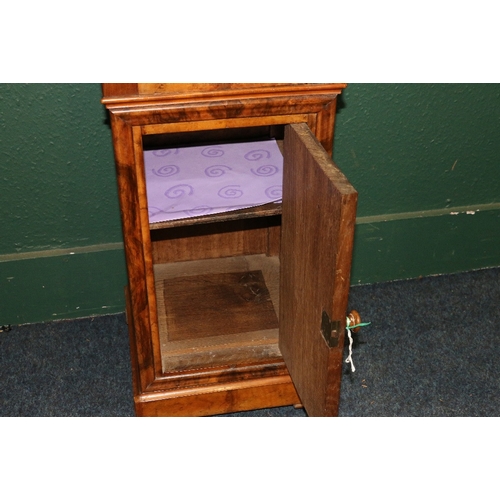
{"x": 358, "y": 325}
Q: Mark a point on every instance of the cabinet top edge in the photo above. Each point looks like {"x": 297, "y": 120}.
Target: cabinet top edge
{"x": 140, "y": 93}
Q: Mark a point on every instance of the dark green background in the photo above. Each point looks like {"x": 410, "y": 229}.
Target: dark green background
{"x": 416, "y": 153}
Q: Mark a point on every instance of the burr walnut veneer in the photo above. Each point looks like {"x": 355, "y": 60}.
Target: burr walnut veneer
{"x": 245, "y": 309}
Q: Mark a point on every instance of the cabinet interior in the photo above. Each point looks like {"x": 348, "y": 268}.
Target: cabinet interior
{"x": 217, "y": 277}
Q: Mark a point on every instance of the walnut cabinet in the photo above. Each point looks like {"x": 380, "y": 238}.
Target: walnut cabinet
{"x": 245, "y": 309}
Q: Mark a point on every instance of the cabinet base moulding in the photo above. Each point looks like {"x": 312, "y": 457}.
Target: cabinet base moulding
{"x": 224, "y": 399}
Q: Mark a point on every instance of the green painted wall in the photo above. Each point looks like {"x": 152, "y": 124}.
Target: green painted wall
{"x": 56, "y": 169}
{"x": 61, "y": 252}
{"x": 418, "y": 154}
{"x": 424, "y": 158}
{"x": 411, "y": 147}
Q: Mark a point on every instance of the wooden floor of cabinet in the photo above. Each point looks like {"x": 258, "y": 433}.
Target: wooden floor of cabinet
{"x": 218, "y": 311}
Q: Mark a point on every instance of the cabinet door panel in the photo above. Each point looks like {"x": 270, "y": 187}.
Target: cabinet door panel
{"x": 319, "y": 211}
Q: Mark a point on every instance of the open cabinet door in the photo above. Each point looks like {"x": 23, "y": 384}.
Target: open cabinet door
{"x": 319, "y": 212}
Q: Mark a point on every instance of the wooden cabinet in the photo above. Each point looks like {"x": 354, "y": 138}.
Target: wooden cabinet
{"x": 245, "y": 309}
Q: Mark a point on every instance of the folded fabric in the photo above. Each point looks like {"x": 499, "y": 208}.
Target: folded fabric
{"x": 201, "y": 180}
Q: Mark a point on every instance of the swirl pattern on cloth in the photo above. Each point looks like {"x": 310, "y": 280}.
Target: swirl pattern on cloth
{"x": 201, "y": 180}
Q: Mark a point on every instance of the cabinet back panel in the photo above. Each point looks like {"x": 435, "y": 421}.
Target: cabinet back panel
{"x": 209, "y": 241}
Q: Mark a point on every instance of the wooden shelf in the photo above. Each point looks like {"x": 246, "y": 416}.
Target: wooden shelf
{"x": 267, "y": 210}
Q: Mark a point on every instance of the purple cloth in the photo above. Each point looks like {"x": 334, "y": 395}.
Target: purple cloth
{"x": 201, "y": 180}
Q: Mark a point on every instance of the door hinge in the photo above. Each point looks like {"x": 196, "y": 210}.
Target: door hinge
{"x": 330, "y": 330}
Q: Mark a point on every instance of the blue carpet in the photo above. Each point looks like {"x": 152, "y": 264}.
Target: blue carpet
{"x": 432, "y": 350}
